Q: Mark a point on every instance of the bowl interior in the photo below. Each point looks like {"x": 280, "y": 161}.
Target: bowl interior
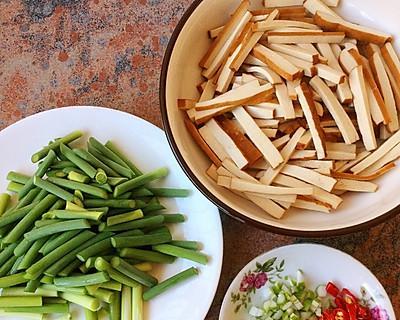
{"x": 183, "y": 74}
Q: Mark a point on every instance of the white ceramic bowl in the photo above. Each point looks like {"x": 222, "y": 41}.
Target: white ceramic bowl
{"x": 181, "y": 74}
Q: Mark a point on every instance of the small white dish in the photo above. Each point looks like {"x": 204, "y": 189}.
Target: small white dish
{"x": 320, "y": 264}
{"x": 147, "y": 146}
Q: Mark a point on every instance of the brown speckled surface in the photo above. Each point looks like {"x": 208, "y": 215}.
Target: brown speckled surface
{"x": 94, "y": 52}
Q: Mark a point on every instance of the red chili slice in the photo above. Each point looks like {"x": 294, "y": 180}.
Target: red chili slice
{"x": 348, "y": 297}
{"x": 352, "y": 310}
{"x": 332, "y": 289}
{"x": 340, "y": 314}
{"x": 340, "y": 303}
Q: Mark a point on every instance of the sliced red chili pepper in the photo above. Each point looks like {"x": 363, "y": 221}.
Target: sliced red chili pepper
{"x": 327, "y": 315}
{"x": 332, "y": 289}
{"x": 348, "y": 297}
{"x": 340, "y": 303}
{"x": 340, "y": 314}
{"x": 352, "y": 311}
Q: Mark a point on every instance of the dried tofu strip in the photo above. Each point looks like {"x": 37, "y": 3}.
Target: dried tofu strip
{"x": 250, "y": 152}
{"x": 260, "y": 112}
{"x": 304, "y": 155}
{"x": 186, "y": 104}
{"x": 392, "y": 155}
{"x": 310, "y": 176}
{"x": 277, "y": 63}
{"x": 213, "y": 33}
{"x": 228, "y": 144}
{"x": 292, "y": 30}
{"x": 247, "y": 186}
{"x": 226, "y": 75}
{"x": 286, "y": 10}
{"x": 304, "y": 141}
{"x": 310, "y": 113}
{"x": 273, "y": 123}
{"x": 285, "y": 102}
{"x": 343, "y": 89}
{"x": 348, "y": 60}
{"x": 201, "y": 117}
{"x": 260, "y": 17}
{"x": 395, "y": 85}
{"x": 264, "y": 73}
{"x": 231, "y": 43}
{"x": 236, "y": 96}
{"x": 349, "y": 164}
{"x": 212, "y": 172}
{"x": 282, "y": 3}
{"x": 349, "y": 148}
{"x": 267, "y": 205}
{"x": 388, "y": 145}
{"x": 227, "y": 36}
{"x": 376, "y": 97}
{"x": 280, "y": 142}
{"x": 260, "y": 140}
{"x": 392, "y": 60}
{"x": 253, "y": 61}
{"x": 310, "y": 48}
{"x": 286, "y": 153}
{"x": 384, "y": 133}
{"x": 330, "y": 74}
{"x": 340, "y": 155}
{"x": 361, "y": 33}
{"x": 378, "y": 173}
{"x": 361, "y": 105}
{"x": 191, "y": 114}
{"x": 341, "y": 118}
{"x": 222, "y": 171}
{"x": 308, "y": 68}
{"x": 288, "y": 198}
{"x": 296, "y": 52}
{"x": 291, "y": 86}
{"x": 263, "y": 26}
{"x": 305, "y": 37}
{"x": 311, "y": 205}
{"x": 318, "y": 193}
{"x": 356, "y": 186}
{"x": 314, "y": 164}
{"x": 250, "y": 43}
{"x": 383, "y": 81}
{"x": 245, "y": 49}
{"x": 270, "y": 133}
{"x": 210, "y": 139}
{"x": 209, "y": 91}
{"x": 200, "y": 141}
{"x": 235, "y": 171}
{"x": 315, "y": 6}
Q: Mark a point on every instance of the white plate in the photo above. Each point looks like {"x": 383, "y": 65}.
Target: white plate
{"x": 147, "y": 146}
{"x": 183, "y": 74}
{"x": 320, "y": 264}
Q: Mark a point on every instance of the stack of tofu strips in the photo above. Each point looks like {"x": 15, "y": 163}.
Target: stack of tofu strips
{"x": 297, "y": 107}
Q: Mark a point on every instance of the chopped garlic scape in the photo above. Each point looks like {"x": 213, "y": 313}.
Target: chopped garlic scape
{"x": 290, "y": 299}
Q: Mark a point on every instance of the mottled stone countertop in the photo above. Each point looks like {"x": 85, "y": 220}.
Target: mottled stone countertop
{"x": 57, "y": 53}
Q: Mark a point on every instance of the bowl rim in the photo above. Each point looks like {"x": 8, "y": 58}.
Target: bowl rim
{"x": 220, "y": 204}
